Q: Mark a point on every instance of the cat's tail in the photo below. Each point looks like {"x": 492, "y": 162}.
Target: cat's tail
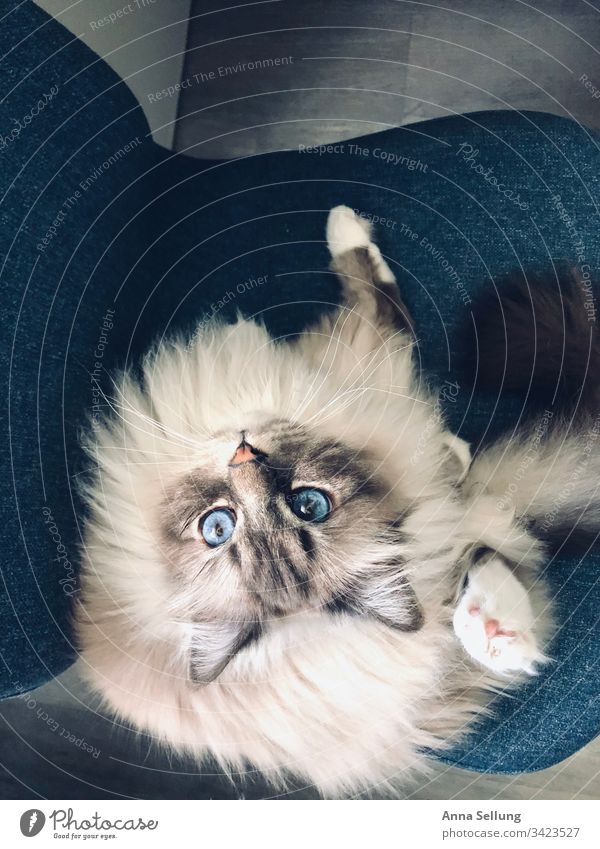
{"x": 539, "y": 337}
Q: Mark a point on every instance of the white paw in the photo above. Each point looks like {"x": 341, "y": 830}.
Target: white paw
{"x": 346, "y": 231}
{"x": 494, "y": 620}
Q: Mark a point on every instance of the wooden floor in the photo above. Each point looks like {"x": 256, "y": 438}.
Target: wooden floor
{"x": 578, "y": 777}
{"x": 56, "y": 745}
{"x": 276, "y": 75}
{"x": 259, "y": 76}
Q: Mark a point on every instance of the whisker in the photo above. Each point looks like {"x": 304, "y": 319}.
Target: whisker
{"x": 312, "y": 389}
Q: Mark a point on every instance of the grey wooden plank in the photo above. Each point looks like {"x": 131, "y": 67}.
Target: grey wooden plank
{"x": 41, "y": 756}
{"x": 487, "y": 55}
{"x": 230, "y": 107}
{"x": 143, "y": 41}
{"x": 367, "y": 66}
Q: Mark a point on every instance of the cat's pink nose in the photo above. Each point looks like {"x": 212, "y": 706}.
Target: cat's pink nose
{"x": 244, "y": 453}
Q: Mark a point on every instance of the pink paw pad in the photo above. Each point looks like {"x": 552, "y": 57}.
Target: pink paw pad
{"x": 492, "y": 626}
{"x": 493, "y": 629}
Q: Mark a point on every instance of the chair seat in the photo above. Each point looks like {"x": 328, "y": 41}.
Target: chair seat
{"x": 162, "y": 241}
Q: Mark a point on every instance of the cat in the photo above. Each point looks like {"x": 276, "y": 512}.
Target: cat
{"x": 292, "y": 565}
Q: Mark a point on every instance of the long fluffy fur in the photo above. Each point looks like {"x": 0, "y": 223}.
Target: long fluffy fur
{"x": 299, "y": 700}
{"x": 343, "y": 701}
{"x": 536, "y": 335}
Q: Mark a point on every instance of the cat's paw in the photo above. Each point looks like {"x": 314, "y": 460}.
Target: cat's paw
{"x": 494, "y": 620}
{"x": 346, "y": 231}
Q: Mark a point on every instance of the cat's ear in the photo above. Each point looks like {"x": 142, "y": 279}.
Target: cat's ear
{"x": 386, "y": 595}
{"x": 214, "y": 644}
{"x": 456, "y": 459}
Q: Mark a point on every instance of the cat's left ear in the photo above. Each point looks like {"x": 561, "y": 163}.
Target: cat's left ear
{"x": 214, "y": 645}
{"x": 456, "y": 459}
{"x": 386, "y": 594}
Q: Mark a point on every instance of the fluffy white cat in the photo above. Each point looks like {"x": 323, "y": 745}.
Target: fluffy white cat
{"x": 289, "y": 562}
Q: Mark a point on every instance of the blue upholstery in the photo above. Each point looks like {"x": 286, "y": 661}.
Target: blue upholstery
{"x": 161, "y": 241}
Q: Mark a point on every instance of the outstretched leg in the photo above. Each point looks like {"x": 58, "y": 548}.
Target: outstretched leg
{"x": 369, "y": 285}
{"x": 372, "y": 316}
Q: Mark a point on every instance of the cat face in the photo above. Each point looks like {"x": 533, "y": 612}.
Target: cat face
{"x": 276, "y": 521}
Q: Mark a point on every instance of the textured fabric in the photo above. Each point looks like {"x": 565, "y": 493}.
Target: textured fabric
{"x": 63, "y": 122}
{"x": 165, "y": 241}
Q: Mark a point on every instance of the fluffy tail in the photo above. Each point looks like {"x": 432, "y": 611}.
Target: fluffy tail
{"x": 539, "y": 337}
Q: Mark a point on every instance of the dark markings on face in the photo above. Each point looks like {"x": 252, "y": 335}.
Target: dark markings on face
{"x": 234, "y": 552}
{"x": 275, "y": 563}
{"x": 194, "y": 495}
{"x": 338, "y": 606}
{"x": 306, "y": 541}
{"x": 298, "y": 573}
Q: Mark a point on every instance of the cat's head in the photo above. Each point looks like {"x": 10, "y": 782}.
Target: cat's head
{"x": 275, "y": 521}
{"x": 237, "y": 485}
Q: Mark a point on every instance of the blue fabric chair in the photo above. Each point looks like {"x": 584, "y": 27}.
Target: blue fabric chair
{"x": 108, "y": 242}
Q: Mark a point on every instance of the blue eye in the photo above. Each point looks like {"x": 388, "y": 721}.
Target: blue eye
{"x": 217, "y": 527}
{"x": 312, "y": 505}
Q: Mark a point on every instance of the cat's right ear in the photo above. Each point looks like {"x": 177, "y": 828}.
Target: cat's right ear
{"x": 388, "y": 596}
{"x": 214, "y": 645}
{"x": 384, "y": 594}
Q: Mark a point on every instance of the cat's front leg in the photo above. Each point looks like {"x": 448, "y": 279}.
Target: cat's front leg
{"x": 372, "y": 331}
{"x": 494, "y": 619}
{"x": 368, "y": 283}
